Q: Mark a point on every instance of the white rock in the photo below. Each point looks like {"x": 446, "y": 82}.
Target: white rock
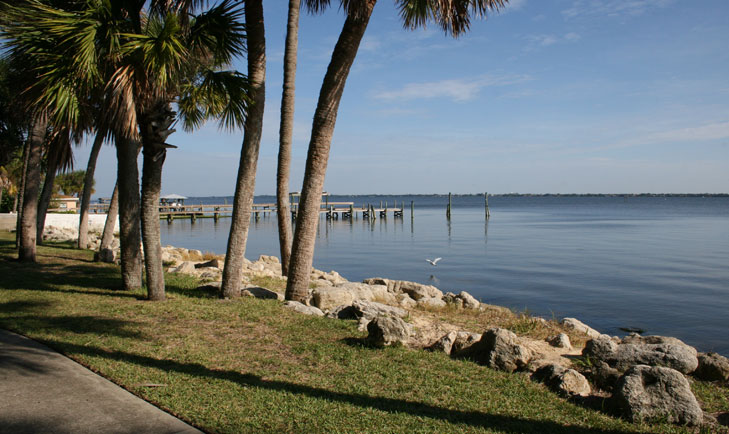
{"x": 580, "y": 327}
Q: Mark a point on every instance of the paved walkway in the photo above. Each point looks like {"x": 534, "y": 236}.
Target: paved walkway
{"x": 42, "y": 391}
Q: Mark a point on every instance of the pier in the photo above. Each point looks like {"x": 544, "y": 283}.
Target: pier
{"x": 332, "y": 210}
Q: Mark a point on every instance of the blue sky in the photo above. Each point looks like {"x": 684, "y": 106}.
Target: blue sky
{"x": 565, "y": 96}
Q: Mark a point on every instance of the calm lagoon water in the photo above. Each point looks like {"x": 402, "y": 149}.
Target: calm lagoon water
{"x": 658, "y": 264}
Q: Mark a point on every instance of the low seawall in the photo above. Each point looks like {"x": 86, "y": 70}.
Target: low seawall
{"x": 66, "y": 221}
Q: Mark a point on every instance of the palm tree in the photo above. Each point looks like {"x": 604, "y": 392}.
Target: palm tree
{"x": 59, "y": 157}
{"x": 83, "y": 223}
{"x": 453, "y": 16}
{"x": 28, "y": 219}
{"x": 286, "y": 133}
{"x": 107, "y": 236}
{"x": 142, "y": 62}
{"x": 246, "y": 180}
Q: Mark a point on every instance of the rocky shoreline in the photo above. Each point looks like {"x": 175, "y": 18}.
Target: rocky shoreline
{"x": 641, "y": 378}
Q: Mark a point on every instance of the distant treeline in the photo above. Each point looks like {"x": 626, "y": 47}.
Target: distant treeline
{"x": 553, "y": 195}
{"x": 613, "y": 195}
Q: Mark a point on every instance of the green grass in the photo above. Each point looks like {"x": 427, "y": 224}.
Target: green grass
{"x": 250, "y": 365}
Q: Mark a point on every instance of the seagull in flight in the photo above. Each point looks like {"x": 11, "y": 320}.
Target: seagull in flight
{"x": 434, "y": 262}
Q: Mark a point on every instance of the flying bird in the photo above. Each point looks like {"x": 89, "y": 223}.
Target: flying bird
{"x": 434, "y": 262}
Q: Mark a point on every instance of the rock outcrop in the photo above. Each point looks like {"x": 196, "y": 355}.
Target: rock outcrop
{"x": 563, "y": 380}
{"x": 580, "y": 327}
{"x": 712, "y": 367}
{"x": 638, "y": 350}
{"x": 499, "y": 349}
{"x": 657, "y": 393}
{"x": 302, "y": 308}
{"x": 388, "y": 330}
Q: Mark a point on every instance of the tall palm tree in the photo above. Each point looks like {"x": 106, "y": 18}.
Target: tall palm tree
{"x": 453, "y": 16}
{"x": 286, "y": 132}
{"x": 246, "y": 180}
{"x": 83, "y": 223}
{"x": 59, "y": 157}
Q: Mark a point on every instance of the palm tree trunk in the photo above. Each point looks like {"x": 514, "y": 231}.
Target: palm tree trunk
{"x": 325, "y": 117}
{"x": 155, "y": 128}
{"x": 21, "y": 193}
{"x": 15, "y": 202}
{"x": 129, "y": 231}
{"x": 246, "y": 181}
{"x": 108, "y": 236}
{"x": 286, "y": 132}
{"x": 151, "y": 185}
{"x": 46, "y": 193}
{"x": 83, "y": 223}
{"x": 26, "y": 251}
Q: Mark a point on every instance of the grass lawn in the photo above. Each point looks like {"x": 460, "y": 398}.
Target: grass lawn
{"x": 252, "y": 366}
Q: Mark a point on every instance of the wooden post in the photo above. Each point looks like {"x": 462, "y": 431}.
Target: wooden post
{"x": 351, "y": 212}
{"x": 169, "y": 217}
{"x": 486, "y": 199}
{"x": 215, "y": 215}
{"x": 192, "y": 216}
{"x": 448, "y": 210}
{"x": 412, "y": 210}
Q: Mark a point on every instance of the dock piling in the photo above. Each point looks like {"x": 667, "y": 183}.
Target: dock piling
{"x": 486, "y": 200}
{"x": 448, "y": 210}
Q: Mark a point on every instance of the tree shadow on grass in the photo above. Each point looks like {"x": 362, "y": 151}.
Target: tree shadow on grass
{"x": 509, "y": 424}
{"x": 77, "y": 324}
{"x": 92, "y": 279}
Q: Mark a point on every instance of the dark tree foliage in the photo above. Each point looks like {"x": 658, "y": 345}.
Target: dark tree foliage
{"x": 71, "y": 183}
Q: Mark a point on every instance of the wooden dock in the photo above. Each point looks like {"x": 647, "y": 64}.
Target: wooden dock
{"x": 332, "y": 210}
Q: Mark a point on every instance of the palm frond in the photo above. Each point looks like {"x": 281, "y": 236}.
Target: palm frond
{"x": 219, "y": 32}
{"x": 222, "y": 95}
{"x": 452, "y": 16}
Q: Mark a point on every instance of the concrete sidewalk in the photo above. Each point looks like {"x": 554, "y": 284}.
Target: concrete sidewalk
{"x": 42, "y": 391}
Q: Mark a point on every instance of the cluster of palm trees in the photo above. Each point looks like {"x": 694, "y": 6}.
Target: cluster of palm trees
{"x": 118, "y": 68}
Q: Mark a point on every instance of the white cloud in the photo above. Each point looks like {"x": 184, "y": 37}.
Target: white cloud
{"x": 613, "y": 8}
{"x": 515, "y": 5}
{"x": 458, "y": 90}
{"x": 545, "y": 40}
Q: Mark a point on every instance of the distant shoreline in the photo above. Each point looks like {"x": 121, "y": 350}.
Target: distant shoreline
{"x": 699, "y": 195}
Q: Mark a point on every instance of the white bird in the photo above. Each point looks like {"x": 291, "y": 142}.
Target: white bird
{"x": 434, "y": 262}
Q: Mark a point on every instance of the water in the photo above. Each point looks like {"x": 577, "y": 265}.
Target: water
{"x": 654, "y": 263}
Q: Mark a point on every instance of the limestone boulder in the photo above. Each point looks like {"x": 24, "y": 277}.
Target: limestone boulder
{"x": 499, "y": 349}
{"x": 329, "y": 297}
{"x": 580, "y": 327}
{"x": 371, "y": 309}
{"x": 419, "y": 291}
{"x": 637, "y": 350}
{"x": 712, "y": 367}
{"x": 563, "y": 380}
{"x": 462, "y": 300}
{"x": 560, "y": 341}
{"x": 404, "y": 300}
{"x": 464, "y": 341}
{"x": 262, "y": 293}
{"x": 186, "y": 267}
{"x": 302, "y": 308}
{"x": 445, "y": 343}
{"x": 657, "y": 393}
{"x": 431, "y": 302}
{"x": 387, "y": 331}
